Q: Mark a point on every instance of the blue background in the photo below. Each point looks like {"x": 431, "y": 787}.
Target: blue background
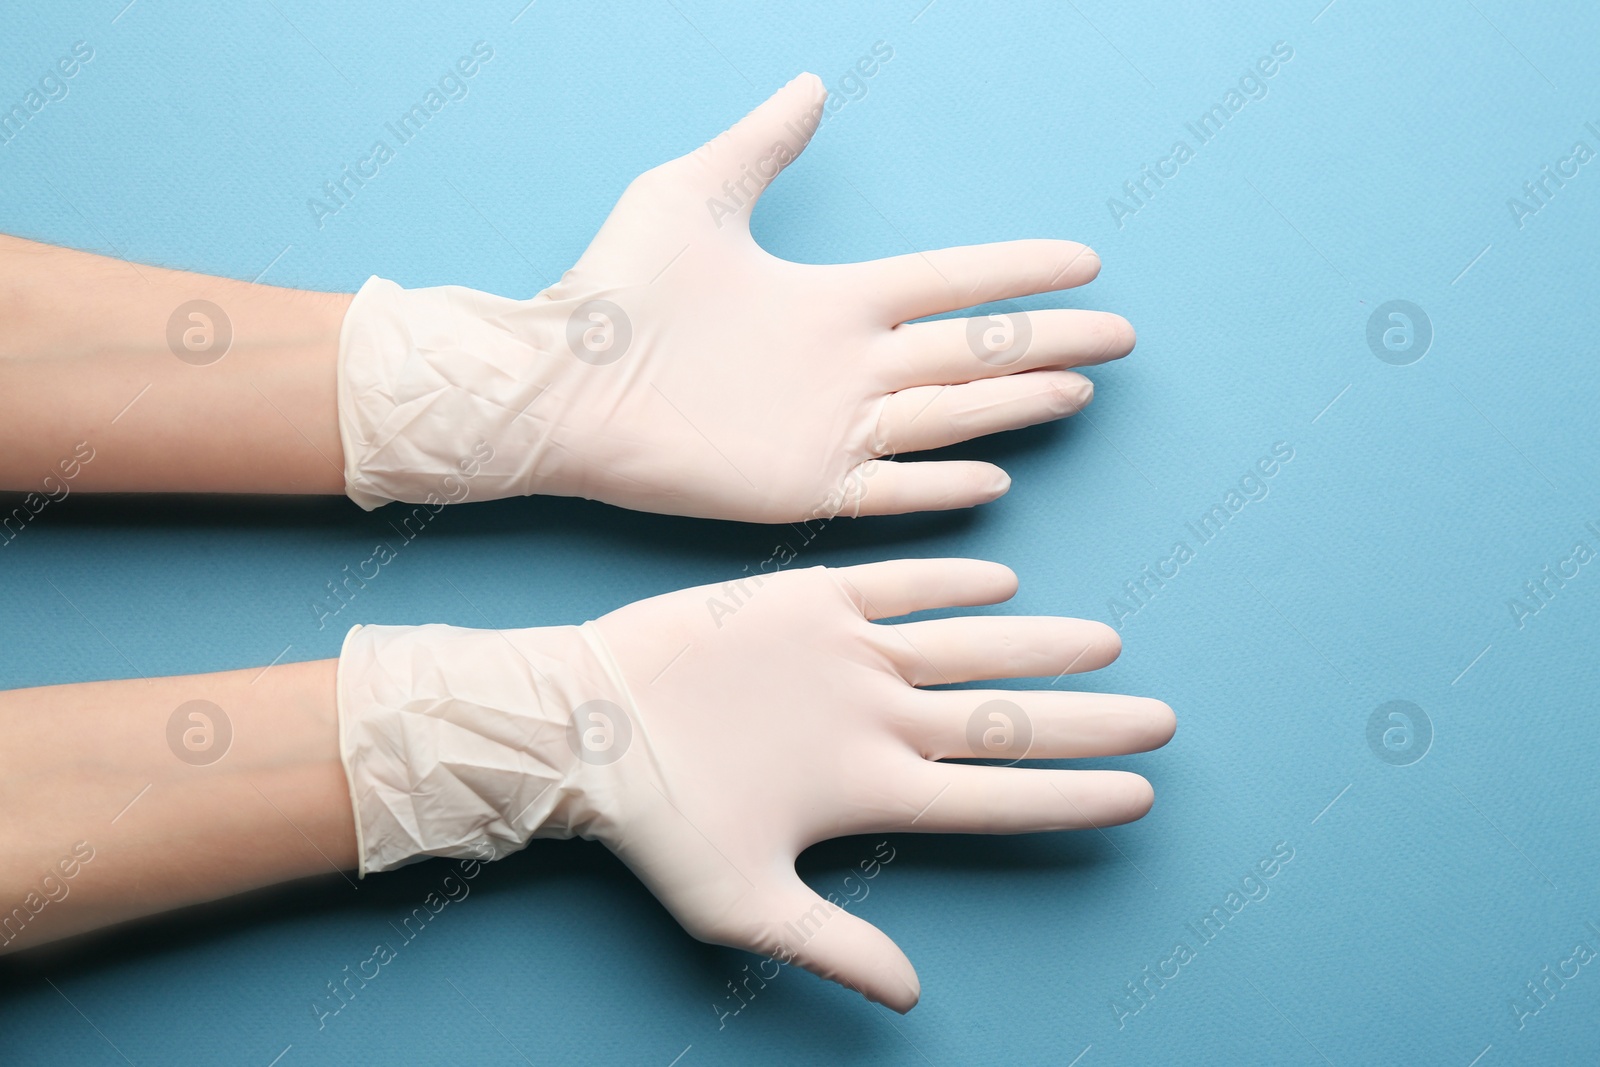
{"x": 1420, "y": 498}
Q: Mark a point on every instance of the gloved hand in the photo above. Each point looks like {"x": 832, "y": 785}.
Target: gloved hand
{"x": 709, "y": 735}
{"x": 679, "y": 368}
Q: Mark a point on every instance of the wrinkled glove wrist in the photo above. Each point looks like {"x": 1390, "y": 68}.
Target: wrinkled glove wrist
{"x": 468, "y": 743}
{"x": 430, "y": 379}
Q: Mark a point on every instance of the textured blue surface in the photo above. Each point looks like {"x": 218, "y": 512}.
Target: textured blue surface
{"x": 1378, "y": 566}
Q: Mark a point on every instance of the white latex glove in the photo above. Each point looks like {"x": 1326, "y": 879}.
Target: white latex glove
{"x": 708, "y": 749}
{"x": 679, "y": 368}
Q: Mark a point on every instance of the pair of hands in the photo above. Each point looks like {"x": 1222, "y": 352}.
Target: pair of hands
{"x": 679, "y": 368}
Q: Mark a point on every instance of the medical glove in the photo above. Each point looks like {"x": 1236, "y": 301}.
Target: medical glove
{"x": 708, "y": 736}
{"x": 680, "y": 368}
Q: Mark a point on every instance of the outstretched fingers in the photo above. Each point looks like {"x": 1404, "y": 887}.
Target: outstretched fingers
{"x": 953, "y": 351}
{"x": 901, "y": 586}
{"x": 948, "y": 279}
{"x": 944, "y": 651}
{"x": 954, "y": 798}
{"x": 933, "y": 416}
{"x": 1014, "y": 725}
{"x": 888, "y": 487}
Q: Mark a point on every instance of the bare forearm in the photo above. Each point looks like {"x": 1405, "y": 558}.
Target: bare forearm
{"x": 114, "y": 360}
{"x": 129, "y": 775}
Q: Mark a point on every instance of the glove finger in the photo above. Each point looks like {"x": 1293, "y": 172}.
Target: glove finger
{"x": 949, "y": 279}
{"x": 978, "y": 647}
{"x": 739, "y": 163}
{"x": 952, "y": 351}
{"x": 796, "y": 925}
{"x": 1012, "y": 725}
{"x": 890, "y": 488}
{"x": 901, "y": 586}
{"x": 955, "y": 798}
{"x": 932, "y": 416}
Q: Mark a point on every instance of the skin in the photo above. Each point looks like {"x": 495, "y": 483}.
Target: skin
{"x": 165, "y": 833}
{"x": 262, "y": 420}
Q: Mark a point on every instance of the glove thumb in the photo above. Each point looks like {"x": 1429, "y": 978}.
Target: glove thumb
{"x": 738, "y": 164}
{"x": 801, "y": 927}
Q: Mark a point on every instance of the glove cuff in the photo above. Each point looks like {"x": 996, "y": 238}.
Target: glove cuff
{"x": 429, "y": 382}
{"x": 468, "y": 743}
